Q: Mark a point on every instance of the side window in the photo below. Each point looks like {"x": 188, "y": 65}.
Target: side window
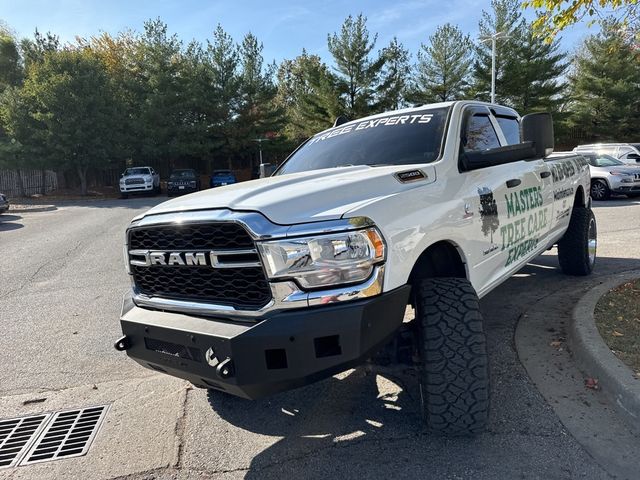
{"x": 480, "y": 134}
{"x": 510, "y": 128}
{"x": 623, "y": 152}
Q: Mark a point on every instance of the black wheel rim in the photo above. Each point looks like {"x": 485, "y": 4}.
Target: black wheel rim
{"x": 598, "y": 191}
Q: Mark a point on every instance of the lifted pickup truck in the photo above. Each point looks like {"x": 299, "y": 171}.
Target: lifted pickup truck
{"x": 267, "y": 285}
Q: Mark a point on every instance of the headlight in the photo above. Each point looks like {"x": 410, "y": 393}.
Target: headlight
{"x": 323, "y": 260}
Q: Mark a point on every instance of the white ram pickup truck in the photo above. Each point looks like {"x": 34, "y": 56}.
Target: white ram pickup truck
{"x": 267, "y": 285}
{"x": 139, "y": 179}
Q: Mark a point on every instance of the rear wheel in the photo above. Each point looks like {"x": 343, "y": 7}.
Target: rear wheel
{"x": 577, "y": 249}
{"x": 454, "y": 380}
{"x": 600, "y": 190}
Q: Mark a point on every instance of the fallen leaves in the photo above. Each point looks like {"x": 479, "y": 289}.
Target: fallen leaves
{"x": 616, "y": 333}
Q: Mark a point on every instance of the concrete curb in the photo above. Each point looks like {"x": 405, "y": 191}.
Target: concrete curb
{"x": 44, "y": 208}
{"x": 596, "y": 359}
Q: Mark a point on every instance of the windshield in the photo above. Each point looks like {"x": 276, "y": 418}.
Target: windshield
{"x": 137, "y": 171}
{"x": 222, "y": 174}
{"x": 183, "y": 174}
{"x": 602, "y": 161}
{"x": 399, "y": 139}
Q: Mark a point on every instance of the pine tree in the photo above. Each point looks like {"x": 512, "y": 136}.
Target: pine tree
{"x": 394, "y": 76}
{"x": 444, "y": 66}
{"x": 357, "y": 72}
{"x": 307, "y": 93}
{"x": 606, "y": 87}
{"x": 529, "y": 71}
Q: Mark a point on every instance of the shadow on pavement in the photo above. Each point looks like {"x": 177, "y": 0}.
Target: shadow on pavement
{"x": 6, "y": 222}
{"x": 136, "y": 202}
{"x": 363, "y": 405}
{"x": 368, "y": 420}
{"x": 616, "y": 202}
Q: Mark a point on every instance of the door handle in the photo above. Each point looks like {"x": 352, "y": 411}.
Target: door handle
{"x": 514, "y": 182}
{"x": 545, "y": 174}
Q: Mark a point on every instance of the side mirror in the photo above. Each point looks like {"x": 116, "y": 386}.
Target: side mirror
{"x": 538, "y": 128}
{"x": 266, "y": 169}
{"x": 340, "y": 120}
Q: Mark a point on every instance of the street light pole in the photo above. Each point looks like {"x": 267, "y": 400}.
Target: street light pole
{"x": 494, "y": 38}
{"x": 493, "y": 69}
{"x": 260, "y": 140}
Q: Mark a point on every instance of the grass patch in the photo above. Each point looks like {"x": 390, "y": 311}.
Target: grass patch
{"x": 618, "y": 319}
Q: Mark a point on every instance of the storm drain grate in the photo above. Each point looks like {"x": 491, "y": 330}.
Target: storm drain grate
{"x": 17, "y": 435}
{"x": 68, "y": 434}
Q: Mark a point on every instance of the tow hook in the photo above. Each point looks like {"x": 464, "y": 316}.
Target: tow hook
{"x": 225, "y": 368}
{"x": 122, "y": 344}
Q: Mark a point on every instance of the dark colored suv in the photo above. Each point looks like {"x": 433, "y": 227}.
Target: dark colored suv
{"x": 183, "y": 181}
{"x": 220, "y": 178}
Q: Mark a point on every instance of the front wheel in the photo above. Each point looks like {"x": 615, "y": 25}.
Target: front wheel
{"x": 577, "y": 249}
{"x": 454, "y": 379}
{"x": 600, "y": 190}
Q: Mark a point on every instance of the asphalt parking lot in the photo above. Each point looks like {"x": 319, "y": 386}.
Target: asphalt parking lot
{"x": 61, "y": 282}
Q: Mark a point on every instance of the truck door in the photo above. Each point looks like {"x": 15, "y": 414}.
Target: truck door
{"x": 512, "y": 205}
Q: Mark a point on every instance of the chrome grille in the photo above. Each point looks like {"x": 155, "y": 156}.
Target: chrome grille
{"x": 134, "y": 181}
{"x": 244, "y": 286}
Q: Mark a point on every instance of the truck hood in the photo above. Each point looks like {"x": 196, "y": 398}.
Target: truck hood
{"x": 317, "y": 195}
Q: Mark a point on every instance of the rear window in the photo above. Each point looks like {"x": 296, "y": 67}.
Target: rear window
{"x": 398, "y": 139}
{"x": 183, "y": 174}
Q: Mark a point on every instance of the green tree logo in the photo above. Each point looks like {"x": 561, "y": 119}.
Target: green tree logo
{"x": 488, "y": 212}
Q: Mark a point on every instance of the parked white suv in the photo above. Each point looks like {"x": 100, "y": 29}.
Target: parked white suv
{"x": 263, "y": 286}
{"x": 139, "y": 179}
{"x": 625, "y": 152}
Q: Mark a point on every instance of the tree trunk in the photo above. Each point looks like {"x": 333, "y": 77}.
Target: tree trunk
{"x": 82, "y": 173}
{"x": 21, "y": 191}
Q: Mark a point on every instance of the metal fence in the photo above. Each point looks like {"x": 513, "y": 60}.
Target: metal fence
{"x": 31, "y": 182}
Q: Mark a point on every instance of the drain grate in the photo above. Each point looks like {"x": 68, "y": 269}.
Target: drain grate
{"x": 17, "y": 435}
{"x": 69, "y": 433}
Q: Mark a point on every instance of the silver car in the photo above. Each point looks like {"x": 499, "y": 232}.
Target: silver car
{"x": 609, "y": 175}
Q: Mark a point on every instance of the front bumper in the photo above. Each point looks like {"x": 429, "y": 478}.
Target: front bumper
{"x": 251, "y": 360}
{"x": 136, "y": 187}
{"x": 176, "y": 190}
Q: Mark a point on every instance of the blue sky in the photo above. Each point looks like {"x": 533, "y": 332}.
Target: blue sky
{"x": 285, "y": 27}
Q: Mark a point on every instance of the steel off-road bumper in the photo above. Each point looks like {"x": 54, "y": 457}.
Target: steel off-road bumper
{"x": 251, "y": 360}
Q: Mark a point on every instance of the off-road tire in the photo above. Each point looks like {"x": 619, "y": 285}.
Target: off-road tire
{"x": 600, "y": 190}
{"x": 454, "y": 377}
{"x": 573, "y": 249}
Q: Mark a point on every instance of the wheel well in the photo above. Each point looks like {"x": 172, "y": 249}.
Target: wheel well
{"x": 441, "y": 259}
{"x": 579, "y": 200}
